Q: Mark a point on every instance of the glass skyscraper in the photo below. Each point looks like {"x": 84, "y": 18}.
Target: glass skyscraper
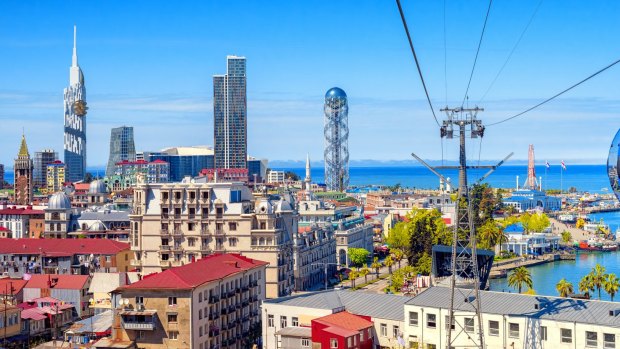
{"x": 75, "y": 120}
{"x": 230, "y": 115}
{"x": 122, "y": 147}
{"x": 41, "y": 160}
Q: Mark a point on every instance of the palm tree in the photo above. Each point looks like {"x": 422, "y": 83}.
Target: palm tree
{"x": 398, "y": 255}
{"x": 352, "y": 276}
{"x": 376, "y": 265}
{"x": 586, "y": 285}
{"x": 520, "y": 277}
{"x": 564, "y": 288}
{"x": 388, "y": 263}
{"x": 611, "y": 285}
{"x": 364, "y": 272}
{"x": 598, "y": 278}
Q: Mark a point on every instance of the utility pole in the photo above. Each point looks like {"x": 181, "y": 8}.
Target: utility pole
{"x": 464, "y": 256}
{"x": 325, "y": 269}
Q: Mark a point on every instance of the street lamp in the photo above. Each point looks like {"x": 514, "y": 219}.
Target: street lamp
{"x": 325, "y": 268}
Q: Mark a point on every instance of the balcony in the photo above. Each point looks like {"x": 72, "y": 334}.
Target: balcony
{"x": 139, "y": 326}
{"x": 176, "y": 248}
{"x": 164, "y": 247}
{"x": 178, "y": 232}
{"x": 164, "y": 232}
{"x": 220, "y": 248}
{"x": 141, "y": 320}
{"x": 136, "y": 263}
{"x": 176, "y": 263}
{"x": 214, "y": 316}
{"x": 205, "y": 248}
{"x": 214, "y": 299}
{"x": 164, "y": 264}
{"x": 219, "y": 232}
{"x": 205, "y": 232}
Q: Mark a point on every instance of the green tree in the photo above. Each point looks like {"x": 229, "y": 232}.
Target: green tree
{"x": 424, "y": 265}
{"x": 426, "y": 228}
{"x": 490, "y": 235}
{"x": 539, "y": 222}
{"x": 484, "y": 202}
{"x": 510, "y": 220}
{"x": 580, "y": 223}
{"x": 526, "y": 222}
{"x": 611, "y": 285}
{"x": 88, "y": 177}
{"x": 598, "y": 278}
{"x": 520, "y": 277}
{"x": 364, "y": 272}
{"x": 586, "y": 285}
{"x": 399, "y": 237}
{"x": 290, "y": 175}
{"x": 388, "y": 263}
{"x": 376, "y": 265}
{"x": 564, "y": 288}
{"x": 566, "y": 236}
{"x": 358, "y": 256}
{"x": 398, "y": 255}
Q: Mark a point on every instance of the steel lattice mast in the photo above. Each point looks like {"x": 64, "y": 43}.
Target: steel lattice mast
{"x": 336, "y": 132}
{"x": 464, "y": 269}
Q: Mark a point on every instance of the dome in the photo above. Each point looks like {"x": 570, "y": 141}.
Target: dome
{"x": 59, "y": 201}
{"x": 98, "y": 187}
{"x": 97, "y": 226}
{"x": 264, "y": 207}
{"x": 283, "y": 205}
{"x": 335, "y": 92}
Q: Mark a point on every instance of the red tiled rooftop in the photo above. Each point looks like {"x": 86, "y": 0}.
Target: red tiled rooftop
{"x": 82, "y": 186}
{"x": 159, "y": 161}
{"x": 61, "y": 247}
{"x": 210, "y": 268}
{"x": 20, "y": 211}
{"x": 3, "y": 228}
{"x": 70, "y": 282}
{"x": 340, "y": 331}
{"x": 33, "y": 314}
{"x": 345, "y": 320}
{"x": 17, "y": 284}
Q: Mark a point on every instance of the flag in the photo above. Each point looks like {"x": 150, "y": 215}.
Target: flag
{"x": 547, "y": 164}
{"x": 563, "y": 165}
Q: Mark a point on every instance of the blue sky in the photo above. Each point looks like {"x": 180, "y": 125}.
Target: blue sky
{"x": 150, "y": 65}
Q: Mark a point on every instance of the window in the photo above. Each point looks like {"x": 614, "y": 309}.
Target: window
{"x": 173, "y": 335}
{"x": 469, "y": 325}
{"x": 270, "y": 320}
{"x": 140, "y": 334}
{"x": 383, "y": 330}
{"x": 513, "y": 330}
{"x": 349, "y": 342}
{"x": 395, "y": 331}
{"x": 295, "y": 321}
{"x": 191, "y": 242}
{"x": 543, "y": 333}
{"x": 413, "y": 318}
{"x": 191, "y": 226}
{"x": 431, "y": 320}
{"x": 172, "y": 317}
{"x": 591, "y": 339}
{"x": 566, "y": 335}
{"x": 609, "y": 341}
{"x": 200, "y": 314}
{"x": 200, "y": 331}
{"x": 232, "y": 226}
{"x": 200, "y": 297}
{"x": 333, "y": 343}
{"x": 172, "y": 301}
{"x": 282, "y": 321}
{"x": 447, "y": 317}
{"x": 139, "y": 300}
{"x": 305, "y": 343}
{"x": 493, "y": 328}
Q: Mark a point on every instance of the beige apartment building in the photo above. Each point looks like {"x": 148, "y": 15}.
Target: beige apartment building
{"x": 212, "y": 303}
{"x": 173, "y": 224}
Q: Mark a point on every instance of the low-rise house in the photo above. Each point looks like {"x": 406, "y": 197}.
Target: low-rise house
{"x": 523, "y": 244}
{"x": 70, "y": 289}
{"x": 101, "y": 287}
{"x": 92, "y": 328}
{"x": 287, "y": 315}
{"x": 18, "y": 220}
{"x": 12, "y": 289}
{"x": 45, "y": 315}
{"x": 342, "y": 330}
{"x": 512, "y": 320}
{"x": 210, "y": 303}
{"x": 10, "y": 323}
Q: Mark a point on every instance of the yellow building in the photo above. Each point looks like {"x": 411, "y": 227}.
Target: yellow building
{"x": 12, "y": 326}
{"x": 55, "y": 177}
{"x": 211, "y": 303}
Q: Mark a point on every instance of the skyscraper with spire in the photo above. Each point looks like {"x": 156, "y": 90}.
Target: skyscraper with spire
{"x": 75, "y": 120}
{"x": 23, "y": 175}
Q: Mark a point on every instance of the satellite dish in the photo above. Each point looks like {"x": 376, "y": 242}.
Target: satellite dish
{"x": 126, "y": 301}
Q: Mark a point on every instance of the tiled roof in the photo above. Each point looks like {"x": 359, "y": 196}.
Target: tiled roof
{"x": 553, "y": 308}
{"x": 33, "y": 314}
{"x": 6, "y": 284}
{"x": 213, "y": 267}
{"x": 345, "y": 320}
{"x": 64, "y": 247}
{"x": 71, "y": 282}
{"x": 4, "y": 229}
{"x": 375, "y": 305}
{"x": 20, "y": 211}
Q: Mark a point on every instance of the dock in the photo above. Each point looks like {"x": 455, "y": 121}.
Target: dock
{"x": 501, "y": 268}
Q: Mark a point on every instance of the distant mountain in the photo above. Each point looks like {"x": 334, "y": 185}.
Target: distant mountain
{"x": 414, "y": 163}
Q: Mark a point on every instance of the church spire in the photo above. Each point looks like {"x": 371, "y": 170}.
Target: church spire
{"x": 75, "y": 59}
{"x": 23, "y": 149}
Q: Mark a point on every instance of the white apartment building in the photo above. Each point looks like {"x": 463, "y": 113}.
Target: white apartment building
{"x": 174, "y": 224}
{"x": 275, "y": 176}
{"x": 512, "y": 320}
{"x": 285, "y": 315}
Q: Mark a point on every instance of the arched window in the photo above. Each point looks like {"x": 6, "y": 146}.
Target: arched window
{"x": 261, "y": 241}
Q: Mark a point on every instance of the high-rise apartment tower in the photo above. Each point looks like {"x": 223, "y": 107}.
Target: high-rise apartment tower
{"x": 122, "y": 148}
{"x": 41, "y": 160}
{"x": 230, "y": 115}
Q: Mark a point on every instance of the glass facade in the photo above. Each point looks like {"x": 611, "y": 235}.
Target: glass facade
{"x": 183, "y": 165}
{"x": 230, "y": 115}
{"x": 122, "y": 148}
{"x": 41, "y": 160}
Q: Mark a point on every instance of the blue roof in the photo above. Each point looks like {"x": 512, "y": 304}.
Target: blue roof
{"x": 514, "y": 228}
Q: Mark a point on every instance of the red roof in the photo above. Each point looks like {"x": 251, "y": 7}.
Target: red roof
{"x": 345, "y": 320}
{"x": 4, "y": 229}
{"x": 64, "y": 281}
{"x": 159, "y": 161}
{"x": 33, "y": 314}
{"x": 210, "y": 268}
{"x": 21, "y": 211}
{"x": 61, "y": 247}
{"x": 5, "y": 286}
{"x": 82, "y": 186}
